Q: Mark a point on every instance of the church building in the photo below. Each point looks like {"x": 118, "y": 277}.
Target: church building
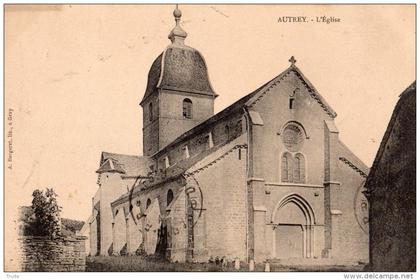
{"x": 265, "y": 178}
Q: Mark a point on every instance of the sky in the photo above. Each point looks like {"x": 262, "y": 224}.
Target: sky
{"x": 75, "y": 74}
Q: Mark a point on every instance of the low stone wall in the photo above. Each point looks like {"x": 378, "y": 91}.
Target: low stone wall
{"x": 59, "y": 254}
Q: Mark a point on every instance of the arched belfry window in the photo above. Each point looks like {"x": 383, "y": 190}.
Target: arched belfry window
{"x": 187, "y": 108}
{"x": 150, "y": 112}
{"x": 148, "y": 203}
{"x": 299, "y": 169}
{"x": 287, "y": 168}
{"x": 169, "y": 197}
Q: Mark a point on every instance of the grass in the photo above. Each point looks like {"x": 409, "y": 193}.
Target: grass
{"x": 141, "y": 264}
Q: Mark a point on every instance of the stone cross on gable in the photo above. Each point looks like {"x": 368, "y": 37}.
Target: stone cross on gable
{"x": 292, "y": 60}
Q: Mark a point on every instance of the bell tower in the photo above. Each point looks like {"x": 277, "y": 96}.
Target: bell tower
{"x": 178, "y": 95}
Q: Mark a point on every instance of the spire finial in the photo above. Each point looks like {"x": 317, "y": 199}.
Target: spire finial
{"x": 292, "y": 60}
{"x": 177, "y": 14}
{"x": 177, "y": 34}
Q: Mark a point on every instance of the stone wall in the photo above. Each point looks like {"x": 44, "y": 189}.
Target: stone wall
{"x": 171, "y": 121}
{"x": 224, "y": 131}
{"x": 219, "y": 223}
{"x": 391, "y": 190}
{"x": 220, "y": 230}
{"x": 352, "y": 238}
{"x": 60, "y": 254}
{"x": 129, "y": 227}
{"x": 111, "y": 187}
{"x": 151, "y": 127}
{"x": 328, "y": 188}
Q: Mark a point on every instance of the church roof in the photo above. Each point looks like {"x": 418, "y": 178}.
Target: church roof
{"x": 187, "y": 167}
{"x": 235, "y": 107}
{"x": 130, "y": 165}
{"x": 179, "y": 67}
{"x": 348, "y": 157}
{"x": 249, "y": 100}
{"x": 110, "y": 165}
{"x": 170, "y": 173}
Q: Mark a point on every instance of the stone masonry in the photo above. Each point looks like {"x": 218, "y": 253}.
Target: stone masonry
{"x": 52, "y": 255}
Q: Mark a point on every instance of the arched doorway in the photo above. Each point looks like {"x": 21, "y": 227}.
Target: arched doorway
{"x": 293, "y": 228}
{"x": 162, "y": 241}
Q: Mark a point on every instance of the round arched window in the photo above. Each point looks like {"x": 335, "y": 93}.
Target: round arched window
{"x": 187, "y": 108}
{"x": 169, "y": 197}
{"x": 293, "y": 137}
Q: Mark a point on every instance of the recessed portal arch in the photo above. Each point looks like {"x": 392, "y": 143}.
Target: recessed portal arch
{"x": 293, "y": 221}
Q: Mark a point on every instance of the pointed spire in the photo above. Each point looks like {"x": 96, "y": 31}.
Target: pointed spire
{"x": 177, "y": 34}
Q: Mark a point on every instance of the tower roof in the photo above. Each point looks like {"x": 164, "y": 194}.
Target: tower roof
{"x": 179, "y": 67}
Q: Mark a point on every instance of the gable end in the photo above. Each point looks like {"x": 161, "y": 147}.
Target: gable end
{"x": 308, "y": 85}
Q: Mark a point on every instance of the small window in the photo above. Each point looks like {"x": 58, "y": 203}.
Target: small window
{"x": 284, "y": 168}
{"x": 167, "y": 163}
{"x": 291, "y": 103}
{"x": 148, "y": 203}
{"x": 299, "y": 171}
{"x": 227, "y": 131}
{"x": 211, "y": 143}
{"x": 296, "y": 171}
{"x": 150, "y": 112}
{"x": 187, "y": 108}
{"x": 292, "y": 96}
{"x": 186, "y": 151}
{"x": 169, "y": 197}
{"x": 287, "y": 168}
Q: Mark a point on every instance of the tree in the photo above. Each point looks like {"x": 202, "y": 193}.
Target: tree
{"x": 47, "y": 213}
